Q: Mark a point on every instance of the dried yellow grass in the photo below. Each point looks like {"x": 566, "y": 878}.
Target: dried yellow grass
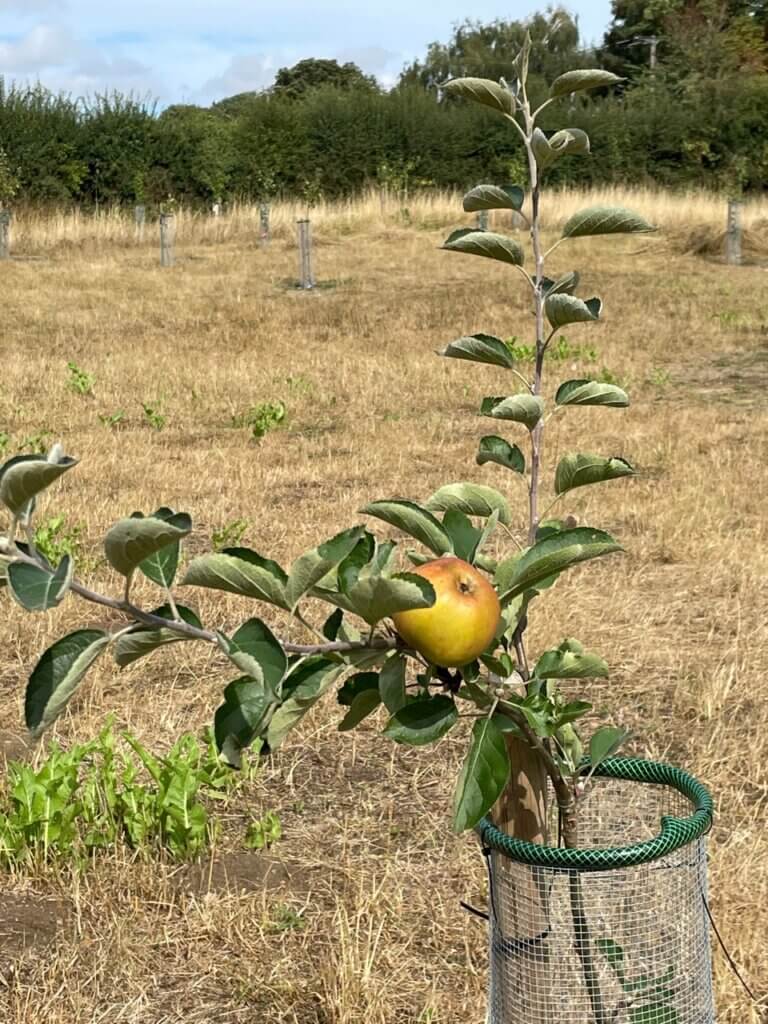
{"x": 374, "y": 874}
{"x": 36, "y": 231}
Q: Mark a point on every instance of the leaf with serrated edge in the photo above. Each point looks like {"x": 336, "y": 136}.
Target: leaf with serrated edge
{"x": 255, "y": 650}
{"x": 480, "y": 348}
{"x": 591, "y": 392}
{"x": 525, "y": 409}
{"x": 605, "y": 220}
{"x": 494, "y": 197}
{"x": 392, "y": 683}
{"x": 132, "y": 540}
{"x": 423, "y": 721}
{"x": 313, "y": 565}
{"x": 554, "y": 554}
{"x": 496, "y": 449}
{"x": 306, "y": 686}
{"x": 239, "y": 571}
{"x": 579, "y": 469}
{"x": 604, "y": 743}
{"x": 129, "y": 647}
{"x": 241, "y": 718}
{"x": 364, "y": 704}
{"x": 483, "y": 90}
{"x": 471, "y": 499}
{"x": 36, "y": 589}
{"x": 568, "y": 661}
{"x": 487, "y": 244}
{"x": 584, "y": 78}
{"x": 563, "y": 309}
{"x": 379, "y": 597}
{"x": 414, "y": 520}
{"x": 24, "y": 476}
{"x": 58, "y": 674}
{"x": 483, "y": 777}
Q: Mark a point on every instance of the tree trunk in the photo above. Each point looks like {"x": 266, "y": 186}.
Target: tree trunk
{"x": 521, "y": 901}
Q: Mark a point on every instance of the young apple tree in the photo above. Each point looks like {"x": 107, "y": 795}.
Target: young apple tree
{"x": 462, "y": 615}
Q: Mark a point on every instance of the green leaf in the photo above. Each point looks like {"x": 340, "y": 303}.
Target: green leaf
{"x": 25, "y": 476}
{"x": 36, "y": 589}
{"x": 484, "y": 91}
{"x": 525, "y": 409}
{"x": 568, "y": 283}
{"x": 488, "y": 530}
{"x": 580, "y": 469}
{"x": 586, "y": 78}
{"x": 472, "y": 499}
{"x": 570, "y": 661}
{"x": 58, "y": 674}
{"x": 654, "y": 1013}
{"x": 241, "y": 718}
{"x": 414, "y": 520}
{"x": 131, "y": 541}
{"x": 563, "y": 309}
{"x": 359, "y": 557}
{"x": 494, "y": 197}
{"x": 496, "y": 449}
{"x": 604, "y": 743}
{"x": 332, "y": 624}
{"x": 392, "y": 683}
{"x": 591, "y": 392}
{"x": 356, "y": 685}
{"x": 137, "y": 644}
{"x": 486, "y": 243}
{"x": 605, "y": 220}
{"x": 463, "y": 533}
{"x": 548, "y": 557}
{"x": 313, "y": 565}
{"x": 239, "y": 571}
{"x": 303, "y": 687}
{"x": 161, "y": 566}
{"x": 483, "y": 777}
{"x": 423, "y": 721}
{"x": 480, "y": 348}
{"x": 378, "y": 597}
{"x": 364, "y": 704}
{"x": 613, "y": 953}
{"x": 256, "y": 651}
{"x": 568, "y": 140}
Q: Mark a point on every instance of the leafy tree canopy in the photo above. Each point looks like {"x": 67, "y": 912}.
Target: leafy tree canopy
{"x": 315, "y": 72}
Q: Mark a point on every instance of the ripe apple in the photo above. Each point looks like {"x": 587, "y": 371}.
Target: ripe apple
{"x": 463, "y": 620}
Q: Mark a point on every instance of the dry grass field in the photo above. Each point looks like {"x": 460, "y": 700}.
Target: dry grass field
{"x": 354, "y": 916}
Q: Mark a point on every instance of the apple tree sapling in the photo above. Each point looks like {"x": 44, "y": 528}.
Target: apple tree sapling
{"x": 523, "y": 737}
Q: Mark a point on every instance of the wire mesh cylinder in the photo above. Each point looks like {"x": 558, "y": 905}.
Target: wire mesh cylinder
{"x": 628, "y": 945}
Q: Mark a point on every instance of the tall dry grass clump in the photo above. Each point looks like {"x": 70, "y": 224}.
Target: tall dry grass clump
{"x": 689, "y": 218}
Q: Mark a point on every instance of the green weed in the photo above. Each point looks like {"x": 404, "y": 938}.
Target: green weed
{"x": 113, "y": 419}
{"x": 263, "y": 832}
{"x": 109, "y": 791}
{"x": 261, "y": 418}
{"x": 154, "y": 416}
{"x": 54, "y": 539}
{"x": 80, "y": 381}
{"x": 229, "y": 535}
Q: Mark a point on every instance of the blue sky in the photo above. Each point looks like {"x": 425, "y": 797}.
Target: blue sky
{"x": 188, "y": 51}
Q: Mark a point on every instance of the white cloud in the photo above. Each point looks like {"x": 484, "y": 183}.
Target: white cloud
{"x": 244, "y": 73}
{"x": 44, "y": 46}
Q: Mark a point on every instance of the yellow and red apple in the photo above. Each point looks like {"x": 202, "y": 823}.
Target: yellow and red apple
{"x": 463, "y": 620}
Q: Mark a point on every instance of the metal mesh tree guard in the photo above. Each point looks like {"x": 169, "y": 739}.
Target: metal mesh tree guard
{"x": 615, "y": 932}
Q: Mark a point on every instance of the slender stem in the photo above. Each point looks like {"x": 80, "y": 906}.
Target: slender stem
{"x": 538, "y": 256}
{"x": 172, "y": 603}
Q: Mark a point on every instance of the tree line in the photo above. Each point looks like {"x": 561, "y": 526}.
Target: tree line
{"x": 692, "y": 111}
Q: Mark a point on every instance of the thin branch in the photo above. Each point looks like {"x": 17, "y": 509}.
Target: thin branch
{"x": 191, "y": 632}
